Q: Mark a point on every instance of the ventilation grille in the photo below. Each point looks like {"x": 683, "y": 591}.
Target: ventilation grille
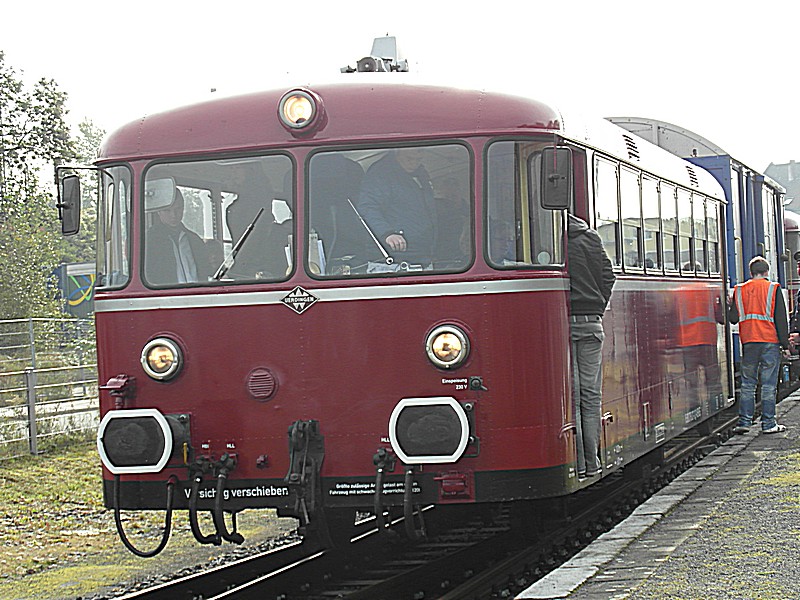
{"x": 693, "y": 176}
{"x": 261, "y": 384}
{"x": 630, "y": 144}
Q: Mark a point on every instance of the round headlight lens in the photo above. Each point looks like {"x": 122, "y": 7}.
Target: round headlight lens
{"x": 447, "y": 346}
{"x": 161, "y": 359}
{"x": 297, "y": 109}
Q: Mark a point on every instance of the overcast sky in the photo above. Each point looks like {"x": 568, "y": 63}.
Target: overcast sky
{"x": 718, "y": 68}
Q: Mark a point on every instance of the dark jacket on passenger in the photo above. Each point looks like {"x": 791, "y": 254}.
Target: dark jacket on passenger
{"x": 591, "y": 276}
{"x": 161, "y": 267}
{"x": 394, "y": 201}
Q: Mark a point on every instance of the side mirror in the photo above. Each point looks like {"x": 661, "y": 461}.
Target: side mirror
{"x": 556, "y": 178}
{"x": 69, "y": 205}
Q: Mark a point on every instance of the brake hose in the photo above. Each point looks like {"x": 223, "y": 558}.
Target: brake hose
{"x": 408, "y": 508}
{"x": 167, "y": 521}
{"x": 198, "y": 535}
{"x": 219, "y": 518}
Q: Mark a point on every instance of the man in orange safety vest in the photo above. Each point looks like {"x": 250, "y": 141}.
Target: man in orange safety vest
{"x": 759, "y": 308}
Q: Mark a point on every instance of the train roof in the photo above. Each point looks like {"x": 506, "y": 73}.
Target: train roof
{"x": 618, "y": 142}
{"x": 373, "y": 110}
{"x": 673, "y": 138}
{"x": 680, "y": 141}
{"x": 355, "y": 111}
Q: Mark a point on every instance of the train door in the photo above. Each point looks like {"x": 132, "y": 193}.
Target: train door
{"x": 770, "y": 238}
{"x": 605, "y": 184}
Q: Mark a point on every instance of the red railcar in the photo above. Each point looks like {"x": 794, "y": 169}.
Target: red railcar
{"x": 298, "y": 362}
{"x": 791, "y": 232}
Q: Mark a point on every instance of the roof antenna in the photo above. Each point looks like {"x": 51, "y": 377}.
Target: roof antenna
{"x": 384, "y": 58}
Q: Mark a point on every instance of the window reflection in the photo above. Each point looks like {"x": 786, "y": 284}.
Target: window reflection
{"x": 631, "y": 218}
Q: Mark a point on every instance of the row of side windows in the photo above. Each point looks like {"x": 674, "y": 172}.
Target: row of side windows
{"x": 654, "y": 226}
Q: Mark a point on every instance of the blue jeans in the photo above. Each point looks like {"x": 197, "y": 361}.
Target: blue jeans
{"x": 759, "y": 360}
{"x": 587, "y": 383}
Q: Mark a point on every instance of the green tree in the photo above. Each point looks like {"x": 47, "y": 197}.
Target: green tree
{"x": 33, "y": 136}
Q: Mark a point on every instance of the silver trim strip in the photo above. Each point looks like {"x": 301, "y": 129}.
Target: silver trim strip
{"x": 420, "y": 290}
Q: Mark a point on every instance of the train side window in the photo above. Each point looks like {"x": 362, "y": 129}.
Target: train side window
{"x": 519, "y": 232}
{"x": 700, "y": 235}
{"x": 652, "y": 225}
{"x": 712, "y": 227}
{"x": 113, "y": 264}
{"x": 669, "y": 225}
{"x": 631, "y": 211}
{"x": 605, "y": 198}
{"x": 685, "y": 231}
{"x": 768, "y": 221}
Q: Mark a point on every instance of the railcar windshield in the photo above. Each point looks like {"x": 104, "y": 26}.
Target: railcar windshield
{"x": 389, "y": 211}
{"x": 218, "y": 220}
{"x": 113, "y": 221}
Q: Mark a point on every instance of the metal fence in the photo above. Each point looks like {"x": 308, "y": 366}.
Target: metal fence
{"x": 48, "y": 383}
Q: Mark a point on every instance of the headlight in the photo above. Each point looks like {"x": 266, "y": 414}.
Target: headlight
{"x": 298, "y": 109}
{"x": 447, "y": 346}
{"x": 162, "y": 359}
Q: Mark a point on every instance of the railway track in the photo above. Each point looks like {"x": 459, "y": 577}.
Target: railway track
{"x": 483, "y": 555}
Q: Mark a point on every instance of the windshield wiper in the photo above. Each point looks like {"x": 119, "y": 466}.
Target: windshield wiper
{"x": 389, "y": 259}
{"x": 228, "y": 262}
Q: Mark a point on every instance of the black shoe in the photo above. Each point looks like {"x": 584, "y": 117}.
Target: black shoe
{"x": 741, "y": 430}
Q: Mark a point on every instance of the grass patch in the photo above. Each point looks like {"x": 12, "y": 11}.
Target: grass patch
{"x": 57, "y": 540}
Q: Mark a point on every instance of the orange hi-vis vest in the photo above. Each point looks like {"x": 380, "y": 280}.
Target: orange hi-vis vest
{"x": 755, "y": 301}
{"x": 698, "y": 323}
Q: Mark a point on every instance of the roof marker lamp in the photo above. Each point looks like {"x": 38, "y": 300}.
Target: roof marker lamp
{"x": 299, "y": 110}
{"x": 162, "y": 359}
{"x": 447, "y": 346}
